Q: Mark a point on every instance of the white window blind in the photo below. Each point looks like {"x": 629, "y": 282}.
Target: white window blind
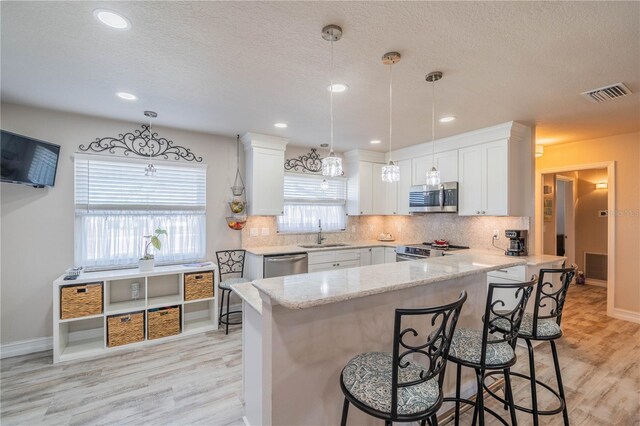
{"x": 116, "y": 205}
{"x": 306, "y": 203}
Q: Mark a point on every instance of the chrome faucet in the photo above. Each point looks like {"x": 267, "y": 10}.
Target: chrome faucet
{"x": 320, "y": 237}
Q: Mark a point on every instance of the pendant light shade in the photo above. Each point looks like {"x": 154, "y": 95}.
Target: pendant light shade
{"x": 331, "y": 165}
{"x": 390, "y": 172}
{"x": 433, "y": 175}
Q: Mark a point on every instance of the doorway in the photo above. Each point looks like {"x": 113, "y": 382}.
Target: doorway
{"x": 573, "y": 220}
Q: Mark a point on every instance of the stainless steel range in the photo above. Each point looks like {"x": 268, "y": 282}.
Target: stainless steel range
{"x": 424, "y": 250}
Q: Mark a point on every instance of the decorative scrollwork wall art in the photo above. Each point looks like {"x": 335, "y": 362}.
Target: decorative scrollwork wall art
{"x": 311, "y": 162}
{"x": 144, "y": 143}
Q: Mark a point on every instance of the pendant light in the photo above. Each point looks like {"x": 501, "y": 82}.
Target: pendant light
{"x": 331, "y": 165}
{"x": 150, "y": 170}
{"x": 433, "y": 175}
{"x": 324, "y": 185}
{"x": 390, "y": 172}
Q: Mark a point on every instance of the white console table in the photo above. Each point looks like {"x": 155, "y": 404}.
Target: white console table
{"x": 86, "y": 336}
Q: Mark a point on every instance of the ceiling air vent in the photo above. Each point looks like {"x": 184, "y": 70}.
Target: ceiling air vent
{"x": 606, "y": 93}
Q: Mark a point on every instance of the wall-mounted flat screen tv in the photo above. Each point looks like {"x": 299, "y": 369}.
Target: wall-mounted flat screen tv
{"x": 27, "y": 160}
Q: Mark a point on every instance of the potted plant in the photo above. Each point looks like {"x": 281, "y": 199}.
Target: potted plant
{"x": 147, "y": 262}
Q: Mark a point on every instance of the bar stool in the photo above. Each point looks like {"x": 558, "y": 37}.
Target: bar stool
{"x": 544, "y": 326}
{"x": 230, "y": 262}
{"x": 393, "y": 386}
{"x": 482, "y": 350}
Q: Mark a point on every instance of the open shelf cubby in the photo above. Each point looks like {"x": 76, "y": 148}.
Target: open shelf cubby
{"x": 162, "y": 287}
{"x": 78, "y": 338}
{"x": 199, "y": 315}
{"x": 164, "y": 290}
{"x": 119, "y": 295}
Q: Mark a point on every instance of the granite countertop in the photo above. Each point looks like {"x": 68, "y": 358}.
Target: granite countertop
{"x": 249, "y": 294}
{"x": 320, "y": 288}
{"x": 531, "y": 260}
{"x": 269, "y": 250}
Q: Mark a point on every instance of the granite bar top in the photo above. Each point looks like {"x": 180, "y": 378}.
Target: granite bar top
{"x": 320, "y": 288}
{"x": 270, "y": 250}
{"x": 248, "y": 293}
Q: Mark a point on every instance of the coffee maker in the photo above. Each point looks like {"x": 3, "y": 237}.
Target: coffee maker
{"x": 517, "y": 242}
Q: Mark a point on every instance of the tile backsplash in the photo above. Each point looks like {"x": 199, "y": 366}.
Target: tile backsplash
{"x": 475, "y": 232}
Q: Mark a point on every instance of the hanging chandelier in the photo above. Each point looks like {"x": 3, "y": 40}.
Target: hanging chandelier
{"x": 433, "y": 175}
{"x": 150, "y": 170}
{"x": 331, "y": 165}
{"x": 390, "y": 172}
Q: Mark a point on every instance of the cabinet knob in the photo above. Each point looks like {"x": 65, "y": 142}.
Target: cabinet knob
{"x": 477, "y": 211}
{"x": 361, "y": 212}
{"x": 483, "y": 212}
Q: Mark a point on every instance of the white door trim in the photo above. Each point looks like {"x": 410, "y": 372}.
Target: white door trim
{"x": 611, "y": 220}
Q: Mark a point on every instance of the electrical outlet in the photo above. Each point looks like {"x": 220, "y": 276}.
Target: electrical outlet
{"x": 496, "y": 234}
{"x": 353, "y": 228}
{"x": 253, "y": 232}
{"x": 265, "y": 232}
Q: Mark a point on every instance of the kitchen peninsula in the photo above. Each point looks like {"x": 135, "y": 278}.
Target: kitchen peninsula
{"x": 301, "y": 330}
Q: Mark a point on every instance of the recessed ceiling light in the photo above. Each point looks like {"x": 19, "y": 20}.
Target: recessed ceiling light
{"x": 126, "y": 96}
{"x": 447, "y": 119}
{"x": 375, "y": 142}
{"x": 338, "y": 87}
{"x": 280, "y": 125}
{"x": 112, "y": 19}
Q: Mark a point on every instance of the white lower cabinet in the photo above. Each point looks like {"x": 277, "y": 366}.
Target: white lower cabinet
{"x": 377, "y": 255}
{"x": 365, "y": 256}
{"x": 389, "y": 255}
{"x": 335, "y": 259}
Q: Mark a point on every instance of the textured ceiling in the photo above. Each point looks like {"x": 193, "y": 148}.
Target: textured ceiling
{"x": 231, "y": 67}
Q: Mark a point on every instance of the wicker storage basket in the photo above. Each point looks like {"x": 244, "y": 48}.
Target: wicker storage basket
{"x": 124, "y": 329}
{"x": 80, "y": 300}
{"x": 198, "y": 285}
{"x": 163, "y": 322}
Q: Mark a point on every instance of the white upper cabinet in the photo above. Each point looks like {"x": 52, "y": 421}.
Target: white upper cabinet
{"x": 403, "y": 187}
{"x": 264, "y": 157}
{"x": 447, "y": 164}
{"x": 379, "y": 190}
{"x": 419, "y": 168}
{"x": 493, "y": 180}
{"x": 493, "y": 167}
{"x": 367, "y": 194}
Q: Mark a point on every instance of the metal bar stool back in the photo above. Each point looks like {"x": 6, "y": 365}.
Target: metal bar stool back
{"x": 493, "y": 347}
{"x": 406, "y": 385}
{"x": 543, "y": 324}
{"x": 231, "y": 271}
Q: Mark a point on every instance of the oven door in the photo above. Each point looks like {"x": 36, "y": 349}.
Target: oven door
{"x": 441, "y": 198}
{"x": 407, "y": 257}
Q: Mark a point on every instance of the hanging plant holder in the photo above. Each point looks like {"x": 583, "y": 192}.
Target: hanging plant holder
{"x": 238, "y": 203}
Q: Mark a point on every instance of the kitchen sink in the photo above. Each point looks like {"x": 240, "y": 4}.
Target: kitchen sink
{"x": 323, "y": 245}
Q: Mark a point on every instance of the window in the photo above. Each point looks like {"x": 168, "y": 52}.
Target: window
{"x": 305, "y": 202}
{"x": 116, "y": 205}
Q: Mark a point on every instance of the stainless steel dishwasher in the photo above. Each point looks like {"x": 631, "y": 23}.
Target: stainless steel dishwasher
{"x": 279, "y": 265}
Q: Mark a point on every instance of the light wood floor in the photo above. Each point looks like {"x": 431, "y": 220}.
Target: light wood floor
{"x": 197, "y": 380}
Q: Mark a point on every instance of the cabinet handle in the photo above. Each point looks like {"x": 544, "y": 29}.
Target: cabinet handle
{"x": 198, "y": 277}
{"x": 483, "y": 212}
{"x": 502, "y": 270}
{"x": 477, "y": 211}
{"x": 82, "y": 290}
{"x": 125, "y": 319}
{"x": 361, "y": 212}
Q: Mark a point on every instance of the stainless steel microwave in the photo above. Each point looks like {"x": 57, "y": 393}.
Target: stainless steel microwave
{"x": 441, "y": 198}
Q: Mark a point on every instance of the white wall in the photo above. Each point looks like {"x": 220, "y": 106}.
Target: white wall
{"x": 37, "y": 224}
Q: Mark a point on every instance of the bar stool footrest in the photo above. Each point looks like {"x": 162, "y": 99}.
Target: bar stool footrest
{"x": 519, "y": 407}
{"x": 224, "y": 318}
{"x": 473, "y": 404}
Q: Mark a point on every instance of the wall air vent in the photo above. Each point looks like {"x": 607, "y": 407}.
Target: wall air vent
{"x": 607, "y": 93}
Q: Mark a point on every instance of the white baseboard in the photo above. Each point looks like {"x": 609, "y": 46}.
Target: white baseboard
{"x": 24, "y": 347}
{"x": 596, "y": 283}
{"x": 626, "y": 315}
